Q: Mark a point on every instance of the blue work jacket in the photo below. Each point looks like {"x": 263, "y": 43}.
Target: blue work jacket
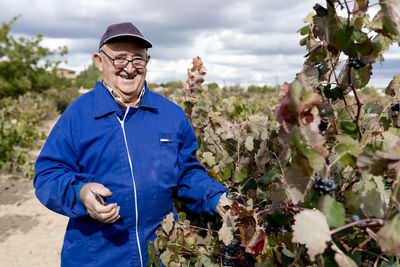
{"x": 144, "y": 155}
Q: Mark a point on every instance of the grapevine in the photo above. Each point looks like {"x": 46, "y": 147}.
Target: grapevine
{"x": 314, "y": 173}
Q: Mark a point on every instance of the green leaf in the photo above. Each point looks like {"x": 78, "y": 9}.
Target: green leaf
{"x": 317, "y": 55}
{"x": 297, "y": 177}
{"x": 373, "y": 199}
{"x": 391, "y": 16}
{"x": 227, "y": 172}
{"x": 360, "y": 36}
{"x": 361, "y": 77}
{"x": 305, "y": 30}
{"x": 333, "y": 93}
{"x": 346, "y": 144}
{"x": 152, "y": 256}
{"x": 347, "y": 127}
{"x": 270, "y": 176}
{"x": 316, "y": 160}
{"x": 241, "y": 174}
{"x": 348, "y": 160}
{"x": 334, "y": 211}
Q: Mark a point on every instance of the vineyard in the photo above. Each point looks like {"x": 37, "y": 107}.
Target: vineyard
{"x": 312, "y": 167}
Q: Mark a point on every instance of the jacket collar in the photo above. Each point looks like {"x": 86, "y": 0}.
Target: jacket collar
{"x": 105, "y": 104}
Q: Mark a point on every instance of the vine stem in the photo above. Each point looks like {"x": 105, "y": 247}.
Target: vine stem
{"x": 359, "y": 104}
{"x": 378, "y": 221}
{"x": 199, "y": 228}
{"x": 328, "y": 168}
{"x": 277, "y": 208}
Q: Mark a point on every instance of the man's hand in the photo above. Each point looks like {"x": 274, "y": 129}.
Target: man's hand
{"x": 108, "y": 213}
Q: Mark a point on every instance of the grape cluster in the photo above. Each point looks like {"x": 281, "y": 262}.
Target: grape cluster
{"x": 230, "y": 252}
{"x": 324, "y": 186}
{"x": 355, "y": 218}
{"x": 356, "y": 63}
{"x": 272, "y": 229}
{"x": 323, "y": 126}
{"x": 395, "y": 107}
{"x": 235, "y": 255}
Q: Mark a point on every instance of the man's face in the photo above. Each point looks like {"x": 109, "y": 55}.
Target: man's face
{"x": 129, "y": 81}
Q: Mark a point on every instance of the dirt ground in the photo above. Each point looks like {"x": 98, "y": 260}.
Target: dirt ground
{"x": 30, "y": 234}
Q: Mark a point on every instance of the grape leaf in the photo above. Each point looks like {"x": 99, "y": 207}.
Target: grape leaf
{"x": 152, "y": 256}
{"x": 372, "y": 197}
{"x": 393, "y": 89}
{"x": 297, "y": 177}
{"x": 256, "y": 244}
{"x": 277, "y": 194}
{"x": 389, "y": 237}
{"x": 262, "y": 157}
{"x": 311, "y": 228}
{"x": 363, "y": 4}
{"x": 390, "y": 15}
{"x": 168, "y": 223}
{"x": 342, "y": 259}
{"x": 205, "y": 260}
{"x": 334, "y": 211}
{"x": 225, "y": 234}
{"x": 209, "y": 158}
{"x": 249, "y": 143}
{"x": 361, "y": 77}
{"x": 346, "y": 144}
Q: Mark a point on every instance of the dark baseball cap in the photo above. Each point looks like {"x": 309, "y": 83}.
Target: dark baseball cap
{"x": 124, "y": 30}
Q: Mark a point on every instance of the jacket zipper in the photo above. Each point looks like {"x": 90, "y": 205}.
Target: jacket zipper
{"x": 133, "y": 180}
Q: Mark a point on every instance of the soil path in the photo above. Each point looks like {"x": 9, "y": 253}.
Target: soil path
{"x": 30, "y": 234}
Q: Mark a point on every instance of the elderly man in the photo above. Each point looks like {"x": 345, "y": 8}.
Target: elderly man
{"x": 117, "y": 157}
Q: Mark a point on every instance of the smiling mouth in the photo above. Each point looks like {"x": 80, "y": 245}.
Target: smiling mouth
{"x": 127, "y": 77}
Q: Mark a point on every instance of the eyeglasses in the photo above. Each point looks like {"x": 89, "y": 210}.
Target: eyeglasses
{"x": 121, "y": 62}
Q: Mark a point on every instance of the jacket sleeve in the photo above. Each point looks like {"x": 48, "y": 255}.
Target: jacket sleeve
{"x": 196, "y": 189}
{"x": 57, "y": 179}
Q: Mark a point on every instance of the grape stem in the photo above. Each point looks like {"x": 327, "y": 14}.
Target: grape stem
{"x": 370, "y": 222}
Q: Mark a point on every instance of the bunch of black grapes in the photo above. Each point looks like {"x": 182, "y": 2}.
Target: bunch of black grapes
{"x": 235, "y": 255}
{"x": 324, "y": 186}
{"x": 356, "y": 63}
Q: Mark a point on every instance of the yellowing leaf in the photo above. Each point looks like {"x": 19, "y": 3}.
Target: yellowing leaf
{"x": 225, "y": 234}
{"x": 389, "y": 237}
{"x": 168, "y": 223}
{"x": 311, "y": 228}
{"x": 249, "y": 143}
{"x": 209, "y": 158}
{"x": 341, "y": 259}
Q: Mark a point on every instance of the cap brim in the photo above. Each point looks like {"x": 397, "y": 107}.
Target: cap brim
{"x": 143, "y": 40}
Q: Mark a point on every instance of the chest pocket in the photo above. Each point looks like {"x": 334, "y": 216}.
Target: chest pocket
{"x": 169, "y": 148}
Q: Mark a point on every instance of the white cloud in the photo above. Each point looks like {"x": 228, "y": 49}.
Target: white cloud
{"x": 240, "y": 41}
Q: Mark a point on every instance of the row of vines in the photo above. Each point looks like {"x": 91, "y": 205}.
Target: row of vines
{"x": 314, "y": 173}
{"x": 20, "y": 119}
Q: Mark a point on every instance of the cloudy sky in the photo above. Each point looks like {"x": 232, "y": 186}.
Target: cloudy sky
{"x": 240, "y": 42}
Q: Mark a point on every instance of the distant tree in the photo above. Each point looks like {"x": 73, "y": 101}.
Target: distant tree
{"x": 172, "y": 84}
{"x": 212, "y": 86}
{"x": 88, "y": 77}
{"x": 24, "y": 63}
{"x": 260, "y": 89}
